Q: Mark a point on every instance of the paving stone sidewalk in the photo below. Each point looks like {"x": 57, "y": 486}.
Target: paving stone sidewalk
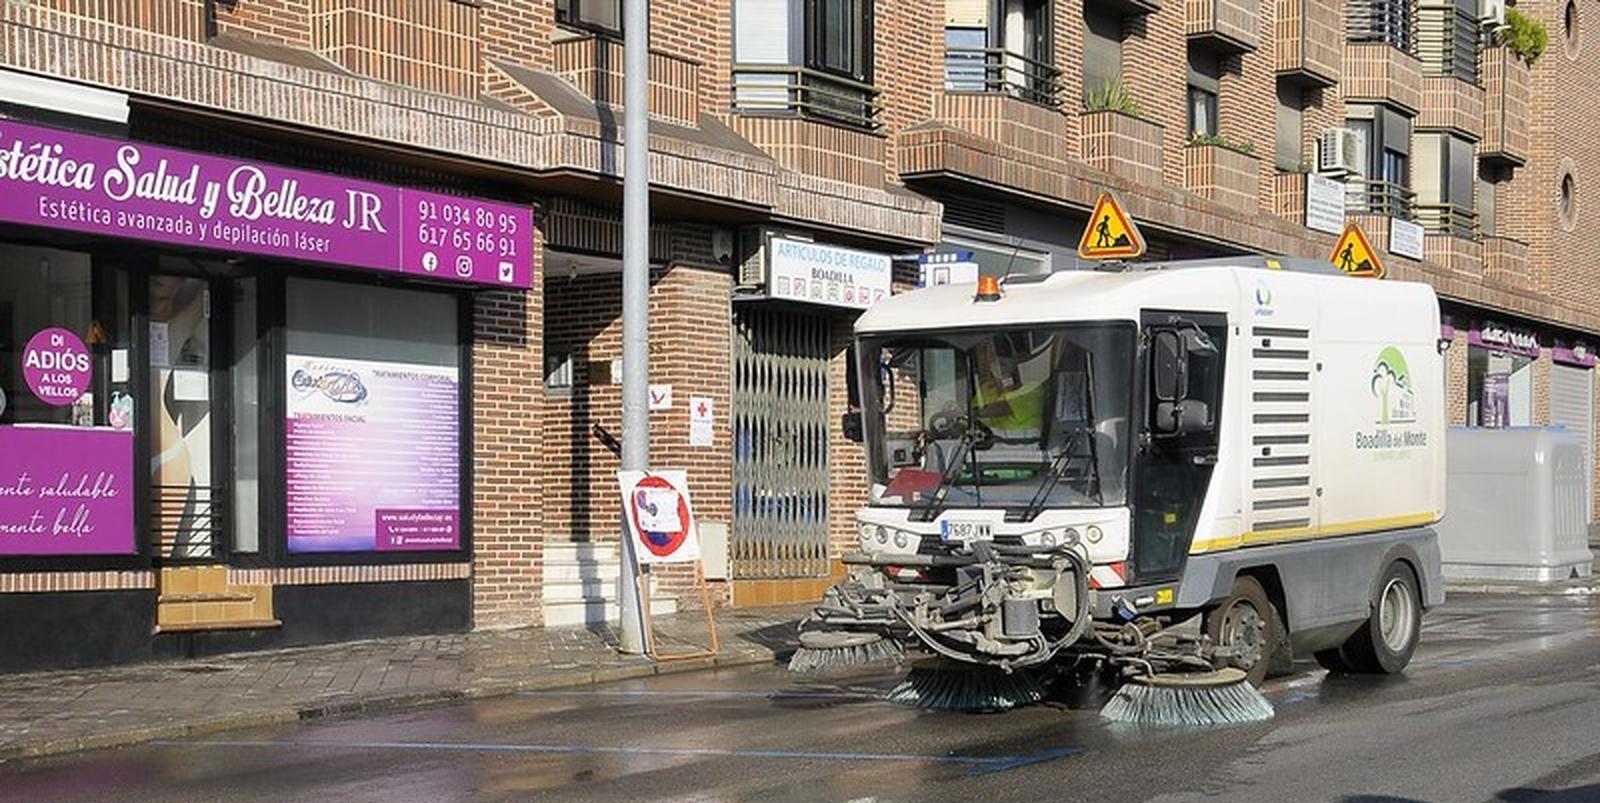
{"x": 46, "y": 713}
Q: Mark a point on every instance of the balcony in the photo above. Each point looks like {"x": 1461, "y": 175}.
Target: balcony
{"x": 996, "y": 71}
{"x": 1227, "y": 25}
{"x": 594, "y": 64}
{"x": 1506, "y": 107}
{"x": 1222, "y": 174}
{"x": 1447, "y": 219}
{"x": 780, "y": 90}
{"x": 1374, "y": 197}
{"x": 1289, "y": 195}
{"x": 1462, "y": 256}
{"x": 1451, "y": 104}
{"x": 1309, "y": 50}
{"x": 1124, "y": 145}
{"x": 1505, "y": 262}
{"x": 1379, "y": 73}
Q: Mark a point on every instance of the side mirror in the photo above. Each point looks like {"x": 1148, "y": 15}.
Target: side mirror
{"x": 1177, "y": 419}
{"x": 1167, "y": 361}
{"x": 851, "y": 425}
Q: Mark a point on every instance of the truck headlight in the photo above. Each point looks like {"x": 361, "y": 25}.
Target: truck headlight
{"x": 883, "y": 535}
{"x": 1047, "y": 538}
{"x": 865, "y": 534}
{"x": 1095, "y": 534}
{"x": 900, "y": 539}
{"x": 1070, "y": 536}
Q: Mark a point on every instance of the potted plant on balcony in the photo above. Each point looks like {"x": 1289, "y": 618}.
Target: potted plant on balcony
{"x": 1116, "y": 136}
{"x": 1524, "y": 36}
{"x": 1222, "y": 169}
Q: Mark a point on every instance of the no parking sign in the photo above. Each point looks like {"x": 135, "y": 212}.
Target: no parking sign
{"x": 659, "y": 515}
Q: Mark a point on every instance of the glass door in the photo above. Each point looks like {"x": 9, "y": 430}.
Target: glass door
{"x": 188, "y": 501}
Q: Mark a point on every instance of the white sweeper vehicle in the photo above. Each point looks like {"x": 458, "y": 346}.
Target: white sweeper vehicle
{"x": 1158, "y": 479}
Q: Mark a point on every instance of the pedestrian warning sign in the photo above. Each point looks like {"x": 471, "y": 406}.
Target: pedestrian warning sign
{"x": 1355, "y": 256}
{"x": 1110, "y": 234}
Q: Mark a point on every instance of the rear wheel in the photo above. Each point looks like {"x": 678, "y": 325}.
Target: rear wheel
{"x": 1384, "y": 644}
{"x": 1247, "y": 625}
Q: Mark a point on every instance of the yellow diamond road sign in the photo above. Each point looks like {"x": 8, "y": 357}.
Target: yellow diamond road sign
{"x": 1355, "y": 256}
{"x": 1110, "y": 234}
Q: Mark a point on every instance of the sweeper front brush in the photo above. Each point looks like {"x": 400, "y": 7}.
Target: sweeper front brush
{"x": 1195, "y": 699}
{"x": 823, "y": 650}
{"x": 967, "y": 689}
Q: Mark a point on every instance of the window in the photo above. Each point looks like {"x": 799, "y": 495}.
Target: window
{"x": 1499, "y": 389}
{"x": 1384, "y": 21}
{"x": 558, "y": 372}
{"x": 1445, "y": 180}
{"x": 1384, "y": 168}
{"x": 839, "y": 37}
{"x": 1567, "y": 206}
{"x": 1102, "y": 48}
{"x": 50, "y": 289}
{"x": 1489, "y": 178}
{"x": 372, "y": 413}
{"x": 808, "y": 58}
{"x": 1290, "y": 149}
{"x": 1204, "y": 86}
{"x": 602, "y": 16}
{"x": 1569, "y": 27}
{"x": 1447, "y": 38}
{"x": 1000, "y": 46}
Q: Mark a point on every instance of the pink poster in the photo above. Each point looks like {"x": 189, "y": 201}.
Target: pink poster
{"x": 374, "y": 456}
{"x": 66, "y": 491}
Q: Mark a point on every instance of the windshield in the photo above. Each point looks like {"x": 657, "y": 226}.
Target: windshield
{"x": 1023, "y": 418}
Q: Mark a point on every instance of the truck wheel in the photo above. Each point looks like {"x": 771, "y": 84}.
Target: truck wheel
{"x": 1248, "y": 622}
{"x": 1384, "y": 644}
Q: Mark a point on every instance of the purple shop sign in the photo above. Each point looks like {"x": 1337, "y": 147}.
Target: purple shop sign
{"x": 1500, "y": 338}
{"x": 56, "y": 366}
{"x": 1579, "y": 356}
{"x": 66, "y": 491}
{"x": 79, "y": 182}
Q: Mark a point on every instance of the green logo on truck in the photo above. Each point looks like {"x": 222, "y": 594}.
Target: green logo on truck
{"x": 1391, "y": 385}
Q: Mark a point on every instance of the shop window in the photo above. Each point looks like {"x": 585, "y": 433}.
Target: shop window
{"x": 49, "y": 295}
{"x": 809, "y": 58}
{"x": 600, "y": 16}
{"x": 1499, "y": 389}
{"x": 1205, "y": 85}
{"x": 373, "y": 416}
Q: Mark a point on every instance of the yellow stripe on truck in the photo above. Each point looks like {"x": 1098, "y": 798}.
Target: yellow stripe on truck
{"x": 1305, "y": 533}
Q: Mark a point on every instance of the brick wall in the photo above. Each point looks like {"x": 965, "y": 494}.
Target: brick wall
{"x": 181, "y": 19}
{"x": 284, "y": 22}
{"x": 426, "y": 44}
{"x": 1154, "y": 64}
{"x": 508, "y": 455}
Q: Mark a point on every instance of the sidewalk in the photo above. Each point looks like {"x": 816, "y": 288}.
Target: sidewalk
{"x": 1578, "y": 586}
{"x": 46, "y": 713}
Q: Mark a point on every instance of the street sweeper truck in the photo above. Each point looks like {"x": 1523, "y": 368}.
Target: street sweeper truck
{"x": 1176, "y": 474}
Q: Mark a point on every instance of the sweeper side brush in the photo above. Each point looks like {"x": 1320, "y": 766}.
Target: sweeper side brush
{"x": 967, "y": 689}
{"x": 823, "y": 651}
{"x": 1222, "y": 697}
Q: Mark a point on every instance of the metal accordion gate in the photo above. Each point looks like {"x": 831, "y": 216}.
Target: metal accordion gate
{"x": 780, "y": 444}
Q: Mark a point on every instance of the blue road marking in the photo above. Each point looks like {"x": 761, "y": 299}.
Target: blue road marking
{"x": 978, "y": 764}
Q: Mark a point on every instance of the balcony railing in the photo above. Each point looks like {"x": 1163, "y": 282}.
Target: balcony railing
{"x": 1448, "y": 219}
{"x": 1448, "y": 41}
{"x": 1379, "y": 198}
{"x": 999, "y": 71}
{"x": 785, "y": 90}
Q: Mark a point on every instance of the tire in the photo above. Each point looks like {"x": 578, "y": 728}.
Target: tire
{"x": 1249, "y": 613}
{"x": 1384, "y": 644}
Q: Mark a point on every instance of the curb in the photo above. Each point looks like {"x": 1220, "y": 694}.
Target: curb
{"x": 374, "y": 704}
{"x": 1562, "y": 589}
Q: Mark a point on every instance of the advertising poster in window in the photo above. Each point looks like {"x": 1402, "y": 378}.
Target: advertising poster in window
{"x": 66, "y": 491}
{"x": 374, "y": 451}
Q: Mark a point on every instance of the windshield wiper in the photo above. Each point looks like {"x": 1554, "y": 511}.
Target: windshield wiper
{"x": 1060, "y": 463}
{"x": 973, "y": 435}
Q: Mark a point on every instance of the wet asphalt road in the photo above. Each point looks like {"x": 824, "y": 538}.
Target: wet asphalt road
{"x": 1501, "y": 703}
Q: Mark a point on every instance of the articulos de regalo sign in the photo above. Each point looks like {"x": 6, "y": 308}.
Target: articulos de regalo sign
{"x": 66, "y": 491}
{"x": 64, "y": 180}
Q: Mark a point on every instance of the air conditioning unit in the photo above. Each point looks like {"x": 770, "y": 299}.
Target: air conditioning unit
{"x": 1339, "y": 151}
{"x": 751, "y": 258}
{"x": 1494, "y": 13}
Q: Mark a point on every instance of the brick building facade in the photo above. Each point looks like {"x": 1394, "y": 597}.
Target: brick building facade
{"x": 977, "y": 127}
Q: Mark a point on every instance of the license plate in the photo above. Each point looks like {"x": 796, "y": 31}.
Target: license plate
{"x": 965, "y": 531}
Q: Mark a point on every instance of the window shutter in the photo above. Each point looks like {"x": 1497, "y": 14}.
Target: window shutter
{"x": 966, "y": 13}
{"x": 761, "y": 32}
